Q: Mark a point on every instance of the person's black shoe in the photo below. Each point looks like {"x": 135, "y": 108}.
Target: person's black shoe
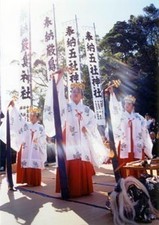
{"x": 11, "y": 189}
{"x": 46, "y": 164}
{"x": 107, "y": 205}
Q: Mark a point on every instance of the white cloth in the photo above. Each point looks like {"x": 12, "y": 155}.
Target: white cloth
{"x": 121, "y": 130}
{"x": 73, "y": 118}
{"x": 87, "y": 146}
{"x": 31, "y": 137}
{"x": 48, "y": 115}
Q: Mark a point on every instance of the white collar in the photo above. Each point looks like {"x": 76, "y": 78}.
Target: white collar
{"x": 129, "y": 115}
{"x": 77, "y": 106}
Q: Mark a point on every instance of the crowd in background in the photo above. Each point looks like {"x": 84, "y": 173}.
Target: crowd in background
{"x": 153, "y": 128}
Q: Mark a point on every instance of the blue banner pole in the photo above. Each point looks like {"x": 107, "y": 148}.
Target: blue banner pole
{"x": 60, "y": 150}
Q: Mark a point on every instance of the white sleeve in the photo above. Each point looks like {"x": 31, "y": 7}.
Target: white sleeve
{"x": 42, "y": 143}
{"x": 146, "y": 140}
{"x": 18, "y": 126}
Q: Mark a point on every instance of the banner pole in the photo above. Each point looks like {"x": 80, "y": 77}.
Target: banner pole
{"x": 60, "y": 150}
{"x": 8, "y": 156}
{"x": 115, "y": 162}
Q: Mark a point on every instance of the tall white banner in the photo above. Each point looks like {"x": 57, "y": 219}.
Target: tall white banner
{"x": 50, "y": 42}
{"x": 72, "y": 52}
{"x": 94, "y": 73}
{"x": 25, "y": 76}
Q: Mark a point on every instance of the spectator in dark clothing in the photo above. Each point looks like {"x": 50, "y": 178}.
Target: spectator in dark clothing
{"x": 155, "y": 141}
{"x": 2, "y": 148}
{"x": 153, "y": 126}
{"x": 148, "y": 121}
{"x": 2, "y": 156}
{"x": 3, "y": 151}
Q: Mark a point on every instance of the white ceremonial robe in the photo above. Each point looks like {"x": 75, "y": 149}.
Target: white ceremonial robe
{"x": 87, "y": 147}
{"x": 31, "y": 137}
{"x": 81, "y": 149}
{"x": 121, "y": 130}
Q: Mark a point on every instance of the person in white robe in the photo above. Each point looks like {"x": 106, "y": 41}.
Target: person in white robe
{"x": 29, "y": 140}
{"x": 130, "y": 131}
{"x": 82, "y": 142}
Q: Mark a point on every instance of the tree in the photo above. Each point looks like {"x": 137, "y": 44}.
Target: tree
{"x": 130, "y": 51}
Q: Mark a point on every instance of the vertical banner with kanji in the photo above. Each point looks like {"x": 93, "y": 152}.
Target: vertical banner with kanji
{"x": 54, "y": 108}
{"x": 94, "y": 73}
{"x": 72, "y": 52}
{"x": 25, "y": 75}
{"x": 50, "y": 42}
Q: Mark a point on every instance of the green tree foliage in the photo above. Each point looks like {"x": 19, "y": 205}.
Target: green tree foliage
{"x": 130, "y": 52}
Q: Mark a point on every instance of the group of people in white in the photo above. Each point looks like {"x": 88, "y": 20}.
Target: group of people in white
{"x": 83, "y": 144}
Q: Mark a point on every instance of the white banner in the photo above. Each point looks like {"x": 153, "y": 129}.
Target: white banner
{"x": 25, "y": 76}
{"x": 72, "y": 52}
{"x": 94, "y": 73}
{"x": 50, "y": 43}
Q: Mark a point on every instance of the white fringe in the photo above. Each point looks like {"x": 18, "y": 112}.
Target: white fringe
{"x": 121, "y": 202}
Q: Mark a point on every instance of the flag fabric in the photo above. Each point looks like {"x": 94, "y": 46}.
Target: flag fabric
{"x": 14, "y": 129}
{"x": 25, "y": 75}
{"x": 94, "y": 74}
{"x": 48, "y": 112}
{"x": 72, "y": 53}
{"x": 53, "y": 122}
{"x": 50, "y": 41}
{"x": 61, "y": 157}
{"x": 51, "y": 52}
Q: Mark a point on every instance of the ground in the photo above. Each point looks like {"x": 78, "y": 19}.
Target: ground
{"x": 42, "y": 206}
